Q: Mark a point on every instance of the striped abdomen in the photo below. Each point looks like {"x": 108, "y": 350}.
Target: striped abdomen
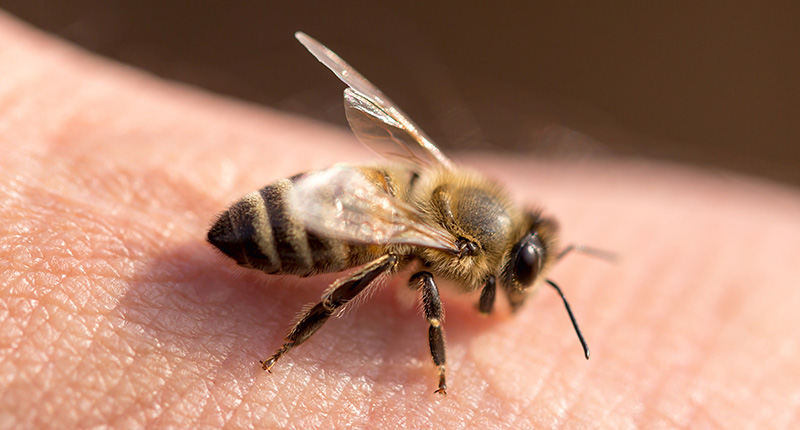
{"x": 260, "y": 232}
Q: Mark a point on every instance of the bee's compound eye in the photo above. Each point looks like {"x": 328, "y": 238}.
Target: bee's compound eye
{"x": 528, "y": 260}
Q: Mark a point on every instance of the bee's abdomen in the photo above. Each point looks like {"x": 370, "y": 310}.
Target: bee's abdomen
{"x": 259, "y": 231}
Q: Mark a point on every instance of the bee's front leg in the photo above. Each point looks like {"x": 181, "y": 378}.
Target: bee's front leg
{"x": 432, "y": 306}
{"x": 516, "y": 297}
{"x": 488, "y": 293}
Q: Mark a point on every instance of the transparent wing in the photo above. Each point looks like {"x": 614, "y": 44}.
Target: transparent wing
{"x": 375, "y": 119}
{"x": 341, "y": 202}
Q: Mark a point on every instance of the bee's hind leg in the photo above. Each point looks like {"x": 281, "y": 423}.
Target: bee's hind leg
{"x": 340, "y": 292}
{"x": 432, "y": 306}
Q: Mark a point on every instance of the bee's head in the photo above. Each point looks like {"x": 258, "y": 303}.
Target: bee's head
{"x": 531, "y": 255}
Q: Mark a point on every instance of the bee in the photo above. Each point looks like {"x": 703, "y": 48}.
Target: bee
{"x": 420, "y": 211}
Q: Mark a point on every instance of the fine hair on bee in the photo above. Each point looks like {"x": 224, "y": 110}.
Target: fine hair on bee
{"x": 415, "y": 209}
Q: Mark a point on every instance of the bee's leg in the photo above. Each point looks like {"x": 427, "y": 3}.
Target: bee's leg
{"x": 432, "y": 306}
{"x": 340, "y": 292}
{"x": 516, "y": 297}
{"x": 486, "y": 302}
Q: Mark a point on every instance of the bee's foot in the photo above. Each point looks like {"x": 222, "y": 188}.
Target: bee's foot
{"x": 268, "y": 363}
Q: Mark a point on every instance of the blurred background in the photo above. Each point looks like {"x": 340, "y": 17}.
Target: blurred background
{"x": 710, "y": 85}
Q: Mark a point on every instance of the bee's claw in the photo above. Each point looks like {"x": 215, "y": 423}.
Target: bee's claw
{"x": 267, "y": 365}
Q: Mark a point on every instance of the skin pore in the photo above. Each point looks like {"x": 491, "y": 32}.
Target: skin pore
{"x": 114, "y": 311}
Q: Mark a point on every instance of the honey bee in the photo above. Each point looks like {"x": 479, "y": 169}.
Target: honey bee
{"x": 421, "y": 211}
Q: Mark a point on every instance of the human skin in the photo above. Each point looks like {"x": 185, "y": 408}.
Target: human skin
{"x": 115, "y": 312}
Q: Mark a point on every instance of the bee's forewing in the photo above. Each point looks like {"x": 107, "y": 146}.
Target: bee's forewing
{"x": 342, "y": 203}
{"x": 382, "y": 133}
{"x": 369, "y": 110}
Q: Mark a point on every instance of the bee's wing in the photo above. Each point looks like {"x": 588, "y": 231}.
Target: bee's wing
{"x": 340, "y": 202}
{"x": 375, "y": 119}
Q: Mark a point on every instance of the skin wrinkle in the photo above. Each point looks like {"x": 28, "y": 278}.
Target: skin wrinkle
{"x": 184, "y": 384}
{"x": 650, "y": 387}
{"x": 250, "y": 395}
{"x": 737, "y": 305}
{"x": 631, "y": 306}
{"x": 556, "y": 403}
{"x": 610, "y": 415}
{"x": 576, "y": 390}
{"x": 599, "y": 338}
{"x": 655, "y": 388}
{"x": 131, "y": 379}
{"x": 66, "y": 270}
{"x": 709, "y": 420}
{"x": 209, "y": 406}
{"x": 569, "y": 408}
{"x": 178, "y": 384}
{"x": 230, "y": 398}
{"x": 709, "y": 345}
{"x": 210, "y": 410}
{"x": 92, "y": 339}
{"x": 185, "y": 403}
{"x": 65, "y": 367}
{"x": 100, "y": 405}
{"x": 231, "y": 401}
{"x": 547, "y": 376}
{"x": 252, "y": 391}
{"x": 578, "y": 385}
{"x": 297, "y": 403}
{"x": 117, "y": 352}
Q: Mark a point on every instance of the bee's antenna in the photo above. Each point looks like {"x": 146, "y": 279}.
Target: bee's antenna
{"x": 583, "y": 249}
{"x": 572, "y": 318}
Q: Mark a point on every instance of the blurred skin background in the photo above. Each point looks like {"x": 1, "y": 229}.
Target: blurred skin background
{"x": 712, "y": 86}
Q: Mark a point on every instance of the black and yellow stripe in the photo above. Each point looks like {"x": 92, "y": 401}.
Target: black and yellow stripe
{"x": 259, "y": 231}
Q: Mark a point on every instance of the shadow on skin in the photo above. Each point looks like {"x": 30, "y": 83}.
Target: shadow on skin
{"x": 202, "y": 313}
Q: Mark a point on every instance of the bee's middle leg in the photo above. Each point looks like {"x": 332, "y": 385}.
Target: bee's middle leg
{"x": 432, "y": 307}
{"x": 341, "y": 292}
